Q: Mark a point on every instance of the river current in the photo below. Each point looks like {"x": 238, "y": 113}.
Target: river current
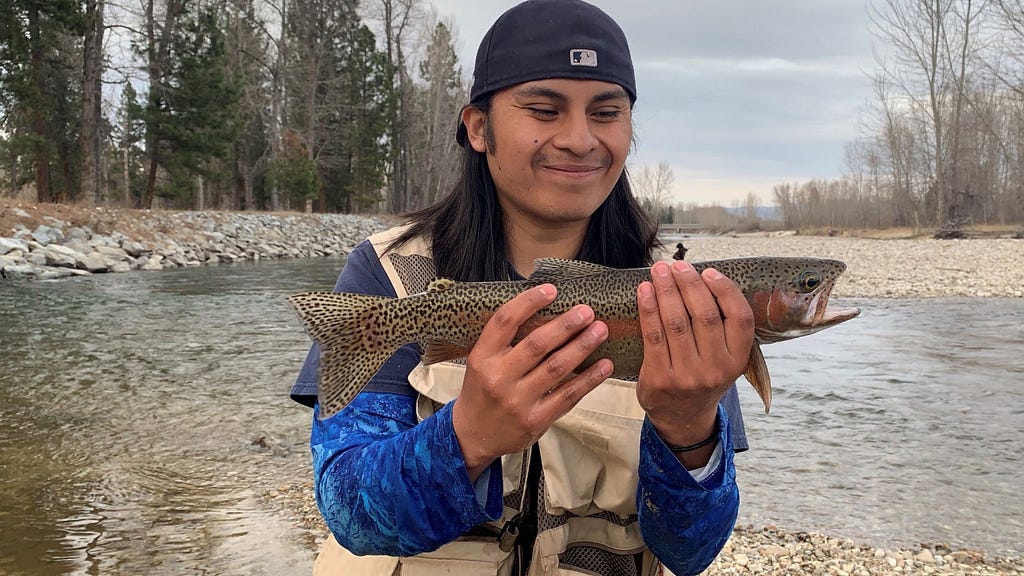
{"x": 144, "y": 417}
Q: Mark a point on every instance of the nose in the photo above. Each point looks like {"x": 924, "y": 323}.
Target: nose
{"x": 575, "y": 133}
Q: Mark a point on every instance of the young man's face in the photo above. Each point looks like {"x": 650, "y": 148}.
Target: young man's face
{"x": 555, "y": 148}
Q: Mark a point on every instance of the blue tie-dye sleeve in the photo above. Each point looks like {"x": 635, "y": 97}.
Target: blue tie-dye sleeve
{"x": 685, "y": 523}
{"x": 387, "y": 485}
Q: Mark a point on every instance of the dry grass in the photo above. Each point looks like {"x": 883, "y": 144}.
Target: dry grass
{"x": 99, "y": 219}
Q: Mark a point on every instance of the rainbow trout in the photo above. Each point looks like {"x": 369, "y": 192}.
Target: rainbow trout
{"x": 357, "y": 333}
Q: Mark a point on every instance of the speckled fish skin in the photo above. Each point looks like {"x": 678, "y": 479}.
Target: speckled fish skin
{"x": 358, "y": 333}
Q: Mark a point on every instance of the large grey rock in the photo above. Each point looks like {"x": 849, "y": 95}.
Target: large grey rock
{"x": 76, "y": 233}
{"x": 133, "y": 248}
{"x": 57, "y": 255}
{"x": 8, "y": 245}
{"x": 78, "y": 245}
{"x": 113, "y": 252}
{"x": 96, "y": 262}
{"x": 8, "y": 261}
{"x": 152, "y": 263}
{"x": 47, "y": 235}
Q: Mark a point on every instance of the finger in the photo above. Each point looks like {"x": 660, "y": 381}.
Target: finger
{"x": 705, "y": 317}
{"x": 501, "y": 329}
{"x": 563, "y": 361}
{"x": 735, "y": 309}
{"x": 656, "y": 354}
{"x": 674, "y": 312}
{"x": 563, "y": 398}
{"x": 535, "y": 347}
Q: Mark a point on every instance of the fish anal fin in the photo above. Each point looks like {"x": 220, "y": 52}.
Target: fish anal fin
{"x": 434, "y": 352}
{"x": 757, "y": 375}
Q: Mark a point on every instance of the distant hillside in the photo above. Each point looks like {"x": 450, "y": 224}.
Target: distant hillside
{"x": 762, "y": 212}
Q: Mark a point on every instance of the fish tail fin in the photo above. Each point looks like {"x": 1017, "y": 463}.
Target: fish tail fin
{"x": 757, "y": 375}
{"x": 352, "y": 344}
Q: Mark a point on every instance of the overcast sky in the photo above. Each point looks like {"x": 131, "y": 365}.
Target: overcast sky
{"x": 736, "y": 95}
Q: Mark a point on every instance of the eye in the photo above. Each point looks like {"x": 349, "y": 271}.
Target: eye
{"x": 542, "y": 112}
{"x": 810, "y": 280}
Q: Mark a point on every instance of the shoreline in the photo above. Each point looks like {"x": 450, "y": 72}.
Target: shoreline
{"x": 766, "y": 550}
{"x": 888, "y": 268}
{"x": 50, "y": 241}
{"x": 45, "y": 241}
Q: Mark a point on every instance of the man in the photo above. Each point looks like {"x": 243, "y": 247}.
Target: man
{"x": 513, "y": 463}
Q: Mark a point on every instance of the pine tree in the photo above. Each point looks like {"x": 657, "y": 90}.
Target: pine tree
{"x": 38, "y": 53}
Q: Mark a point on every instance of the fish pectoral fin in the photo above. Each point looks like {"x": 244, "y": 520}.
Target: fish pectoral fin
{"x": 757, "y": 375}
{"x": 434, "y": 352}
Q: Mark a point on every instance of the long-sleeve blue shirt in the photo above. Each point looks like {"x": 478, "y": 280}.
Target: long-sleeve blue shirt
{"x": 387, "y": 484}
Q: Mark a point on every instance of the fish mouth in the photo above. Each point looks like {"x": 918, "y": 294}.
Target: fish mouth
{"x": 820, "y": 315}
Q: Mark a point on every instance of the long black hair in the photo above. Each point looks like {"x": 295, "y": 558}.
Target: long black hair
{"x": 467, "y": 230}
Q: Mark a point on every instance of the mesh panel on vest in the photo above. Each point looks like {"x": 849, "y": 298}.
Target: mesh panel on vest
{"x": 596, "y": 560}
{"x": 415, "y": 271}
{"x": 600, "y": 561}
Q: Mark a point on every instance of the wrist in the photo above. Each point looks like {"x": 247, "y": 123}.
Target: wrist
{"x": 677, "y": 448}
{"x": 474, "y": 455}
{"x": 692, "y": 443}
{"x": 686, "y": 430}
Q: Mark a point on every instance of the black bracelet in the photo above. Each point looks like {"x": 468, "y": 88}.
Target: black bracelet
{"x": 692, "y": 447}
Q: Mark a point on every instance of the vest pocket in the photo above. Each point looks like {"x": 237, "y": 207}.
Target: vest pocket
{"x": 460, "y": 558}
{"x": 590, "y": 463}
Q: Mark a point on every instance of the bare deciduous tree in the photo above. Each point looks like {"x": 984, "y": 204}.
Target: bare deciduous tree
{"x": 653, "y": 187}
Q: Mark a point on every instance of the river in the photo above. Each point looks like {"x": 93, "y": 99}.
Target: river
{"x": 144, "y": 418}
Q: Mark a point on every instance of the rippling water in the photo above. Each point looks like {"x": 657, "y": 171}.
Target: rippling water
{"x": 129, "y": 402}
{"x": 128, "y": 407}
{"x": 901, "y": 426}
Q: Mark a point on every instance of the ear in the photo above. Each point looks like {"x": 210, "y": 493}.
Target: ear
{"x": 475, "y": 120}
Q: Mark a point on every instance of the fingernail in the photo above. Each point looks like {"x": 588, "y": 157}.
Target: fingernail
{"x": 645, "y": 290}
{"x": 583, "y": 313}
{"x": 680, "y": 267}
{"x": 661, "y": 269}
{"x": 714, "y": 274}
{"x": 547, "y": 290}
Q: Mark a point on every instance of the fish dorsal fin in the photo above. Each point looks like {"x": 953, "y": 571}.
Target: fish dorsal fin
{"x": 554, "y": 269}
{"x": 440, "y": 284}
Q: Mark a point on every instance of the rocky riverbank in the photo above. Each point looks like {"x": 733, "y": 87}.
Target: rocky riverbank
{"x": 51, "y": 241}
{"x": 766, "y": 550}
{"x": 46, "y": 241}
{"x": 889, "y": 268}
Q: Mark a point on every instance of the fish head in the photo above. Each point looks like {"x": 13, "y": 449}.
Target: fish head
{"x": 789, "y": 296}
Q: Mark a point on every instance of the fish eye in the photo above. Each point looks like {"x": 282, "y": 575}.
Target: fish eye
{"x": 810, "y": 280}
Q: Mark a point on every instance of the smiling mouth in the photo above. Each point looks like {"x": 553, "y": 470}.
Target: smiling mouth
{"x": 574, "y": 169}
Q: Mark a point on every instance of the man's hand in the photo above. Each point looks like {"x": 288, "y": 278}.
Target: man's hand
{"x": 512, "y": 394}
{"x": 697, "y": 332}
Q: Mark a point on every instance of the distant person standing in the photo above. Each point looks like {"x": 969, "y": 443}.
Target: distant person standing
{"x": 680, "y": 252}
{"x": 513, "y": 463}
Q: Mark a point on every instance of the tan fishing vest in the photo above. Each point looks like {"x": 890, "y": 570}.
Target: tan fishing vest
{"x": 586, "y": 501}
